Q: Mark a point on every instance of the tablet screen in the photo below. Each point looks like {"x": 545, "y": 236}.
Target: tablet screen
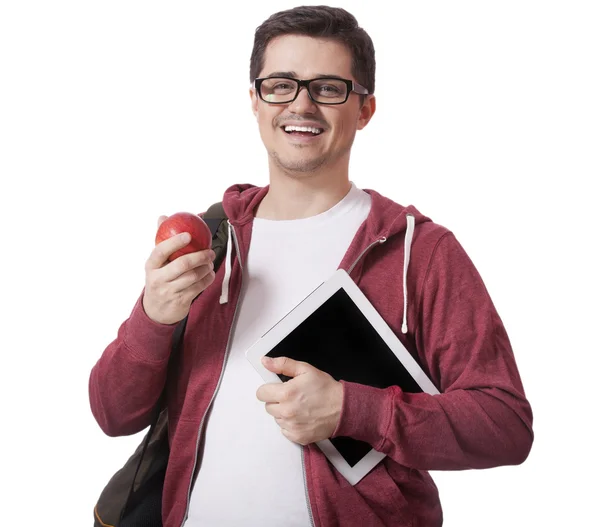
{"x": 338, "y": 338}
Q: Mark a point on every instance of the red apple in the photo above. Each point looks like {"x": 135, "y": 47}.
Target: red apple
{"x": 185, "y": 222}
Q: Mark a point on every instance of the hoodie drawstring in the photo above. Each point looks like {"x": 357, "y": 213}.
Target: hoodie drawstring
{"x": 410, "y": 229}
{"x": 225, "y": 287}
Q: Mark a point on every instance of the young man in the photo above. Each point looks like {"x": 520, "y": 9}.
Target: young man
{"x": 242, "y": 452}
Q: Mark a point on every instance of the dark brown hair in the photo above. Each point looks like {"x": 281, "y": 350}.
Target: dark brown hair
{"x": 321, "y": 22}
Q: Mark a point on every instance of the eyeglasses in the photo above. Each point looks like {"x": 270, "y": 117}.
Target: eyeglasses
{"x": 324, "y": 90}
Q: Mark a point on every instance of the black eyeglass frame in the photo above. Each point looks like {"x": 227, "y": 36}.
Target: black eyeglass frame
{"x": 351, "y": 87}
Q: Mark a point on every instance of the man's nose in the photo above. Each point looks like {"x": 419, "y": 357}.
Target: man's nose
{"x": 303, "y": 103}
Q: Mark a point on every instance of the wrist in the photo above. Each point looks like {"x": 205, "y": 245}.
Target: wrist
{"x": 154, "y": 315}
{"x": 365, "y": 414}
{"x": 337, "y": 403}
{"x": 146, "y": 337}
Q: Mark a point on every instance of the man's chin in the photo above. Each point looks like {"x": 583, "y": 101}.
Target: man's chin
{"x": 300, "y": 165}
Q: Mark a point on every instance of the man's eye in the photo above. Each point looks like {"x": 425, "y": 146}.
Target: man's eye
{"x": 282, "y": 87}
{"x": 329, "y": 89}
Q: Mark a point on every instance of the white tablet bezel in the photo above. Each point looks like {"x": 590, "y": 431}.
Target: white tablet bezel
{"x": 340, "y": 279}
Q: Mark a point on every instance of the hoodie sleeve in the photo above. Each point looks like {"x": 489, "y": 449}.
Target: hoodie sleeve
{"x": 126, "y": 382}
{"x": 482, "y": 418}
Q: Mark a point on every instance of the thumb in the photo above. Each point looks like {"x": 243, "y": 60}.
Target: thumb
{"x": 285, "y": 366}
{"x": 160, "y": 220}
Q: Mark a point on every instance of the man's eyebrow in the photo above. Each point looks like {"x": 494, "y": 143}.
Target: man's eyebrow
{"x": 329, "y": 76}
{"x": 282, "y": 74}
{"x": 295, "y": 75}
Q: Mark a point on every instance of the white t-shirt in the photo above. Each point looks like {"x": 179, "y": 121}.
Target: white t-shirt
{"x": 250, "y": 473}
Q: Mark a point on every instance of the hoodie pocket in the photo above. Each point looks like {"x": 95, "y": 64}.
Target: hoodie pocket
{"x": 385, "y": 495}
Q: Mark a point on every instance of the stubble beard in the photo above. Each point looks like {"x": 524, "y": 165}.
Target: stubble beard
{"x": 298, "y": 166}
{"x": 303, "y": 167}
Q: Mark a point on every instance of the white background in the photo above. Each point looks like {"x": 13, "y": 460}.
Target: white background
{"x": 112, "y": 113}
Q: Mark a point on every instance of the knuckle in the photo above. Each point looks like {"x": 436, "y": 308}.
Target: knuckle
{"x": 198, "y": 259}
{"x": 158, "y": 254}
{"x": 284, "y": 395}
{"x": 185, "y": 263}
{"x": 288, "y": 393}
{"x": 295, "y": 437}
{"x": 207, "y": 255}
{"x": 206, "y": 279}
{"x": 150, "y": 262}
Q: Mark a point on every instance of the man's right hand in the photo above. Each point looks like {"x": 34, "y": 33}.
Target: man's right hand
{"x": 172, "y": 286}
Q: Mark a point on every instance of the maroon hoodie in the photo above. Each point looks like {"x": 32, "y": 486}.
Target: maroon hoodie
{"x": 480, "y": 419}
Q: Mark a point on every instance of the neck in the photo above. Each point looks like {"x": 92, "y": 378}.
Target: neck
{"x": 294, "y": 197}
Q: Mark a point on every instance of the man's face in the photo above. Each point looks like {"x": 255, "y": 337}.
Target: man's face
{"x": 305, "y": 57}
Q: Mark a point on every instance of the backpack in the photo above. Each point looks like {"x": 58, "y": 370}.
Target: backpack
{"x": 133, "y": 496}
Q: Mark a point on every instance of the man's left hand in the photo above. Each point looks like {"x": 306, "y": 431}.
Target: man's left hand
{"x": 307, "y": 407}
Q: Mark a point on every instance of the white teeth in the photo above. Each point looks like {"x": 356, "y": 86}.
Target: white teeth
{"x": 315, "y": 131}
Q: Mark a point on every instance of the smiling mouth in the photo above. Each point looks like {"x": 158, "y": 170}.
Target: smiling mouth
{"x": 302, "y": 131}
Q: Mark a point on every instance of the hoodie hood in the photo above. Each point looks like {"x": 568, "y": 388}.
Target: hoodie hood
{"x": 240, "y": 202}
{"x": 386, "y": 219}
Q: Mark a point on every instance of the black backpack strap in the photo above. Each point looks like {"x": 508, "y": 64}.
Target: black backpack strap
{"x": 214, "y": 216}
{"x": 216, "y": 219}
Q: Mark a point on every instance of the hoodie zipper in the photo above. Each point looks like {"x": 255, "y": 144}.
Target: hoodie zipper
{"x": 310, "y": 515}
{"x": 187, "y": 507}
{"x": 227, "y": 349}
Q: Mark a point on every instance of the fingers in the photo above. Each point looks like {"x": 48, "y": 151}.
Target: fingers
{"x": 160, "y": 254}
{"x": 286, "y": 366}
{"x": 274, "y": 409}
{"x": 189, "y": 262}
{"x": 273, "y": 392}
{"x": 160, "y": 220}
{"x": 198, "y": 278}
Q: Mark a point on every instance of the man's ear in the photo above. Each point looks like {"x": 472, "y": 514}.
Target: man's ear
{"x": 254, "y": 100}
{"x": 366, "y": 112}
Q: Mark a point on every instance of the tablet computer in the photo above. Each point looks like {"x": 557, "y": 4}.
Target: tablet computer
{"x": 337, "y": 330}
